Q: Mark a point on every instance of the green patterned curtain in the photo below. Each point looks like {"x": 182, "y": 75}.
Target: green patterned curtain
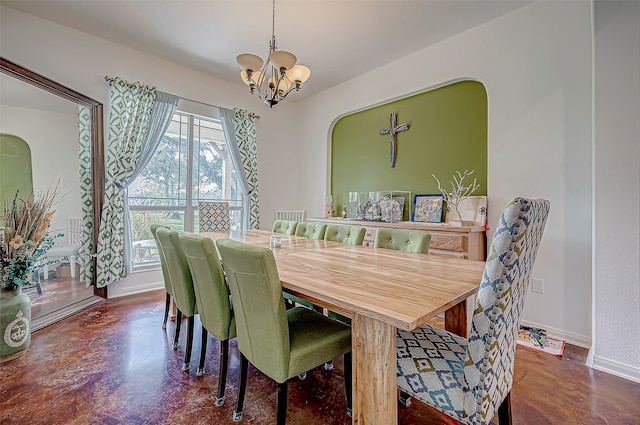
{"x": 85, "y": 258}
{"x": 245, "y": 130}
{"x": 129, "y": 116}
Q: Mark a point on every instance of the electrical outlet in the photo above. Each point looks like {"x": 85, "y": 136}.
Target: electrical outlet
{"x": 537, "y": 285}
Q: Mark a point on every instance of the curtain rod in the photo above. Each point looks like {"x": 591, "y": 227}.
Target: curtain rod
{"x": 112, "y": 79}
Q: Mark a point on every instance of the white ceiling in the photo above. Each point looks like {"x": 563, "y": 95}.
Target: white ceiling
{"x": 338, "y": 40}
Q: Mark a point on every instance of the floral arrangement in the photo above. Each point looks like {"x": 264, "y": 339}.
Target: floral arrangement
{"x": 23, "y": 237}
{"x": 459, "y": 191}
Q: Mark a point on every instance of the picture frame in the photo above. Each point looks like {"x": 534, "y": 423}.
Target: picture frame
{"x": 427, "y": 208}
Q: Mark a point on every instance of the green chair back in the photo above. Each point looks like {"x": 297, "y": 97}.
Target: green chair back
{"x": 210, "y": 287}
{"x": 286, "y": 227}
{"x": 416, "y": 241}
{"x": 179, "y": 273}
{"x": 163, "y": 263}
{"x": 261, "y": 319}
{"x": 311, "y": 230}
{"x": 352, "y": 235}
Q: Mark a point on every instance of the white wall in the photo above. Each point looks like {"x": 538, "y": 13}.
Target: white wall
{"x": 53, "y": 139}
{"x": 535, "y": 63}
{"x": 616, "y": 307}
{"x": 81, "y": 61}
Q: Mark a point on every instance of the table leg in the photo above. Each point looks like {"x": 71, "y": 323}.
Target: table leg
{"x": 455, "y": 319}
{"x": 374, "y": 372}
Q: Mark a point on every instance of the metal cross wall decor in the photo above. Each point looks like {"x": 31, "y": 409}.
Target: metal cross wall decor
{"x": 392, "y": 130}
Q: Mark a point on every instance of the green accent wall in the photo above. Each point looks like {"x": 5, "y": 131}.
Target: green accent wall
{"x": 15, "y": 168}
{"x": 447, "y": 133}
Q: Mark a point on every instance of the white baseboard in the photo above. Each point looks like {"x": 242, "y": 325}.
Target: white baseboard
{"x": 622, "y": 370}
{"x": 583, "y": 341}
{"x": 123, "y": 291}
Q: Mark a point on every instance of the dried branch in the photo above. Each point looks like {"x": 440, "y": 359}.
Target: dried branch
{"x": 459, "y": 192}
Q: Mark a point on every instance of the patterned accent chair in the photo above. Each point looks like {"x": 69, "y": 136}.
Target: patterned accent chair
{"x": 470, "y": 379}
{"x": 214, "y": 216}
{"x": 285, "y": 227}
{"x": 352, "y": 235}
{"x": 311, "y": 230}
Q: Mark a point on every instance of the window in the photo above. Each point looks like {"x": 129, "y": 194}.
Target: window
{"x": 192, "y": 164}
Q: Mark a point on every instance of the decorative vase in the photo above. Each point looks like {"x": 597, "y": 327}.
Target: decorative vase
{"x": 15, "y": 323}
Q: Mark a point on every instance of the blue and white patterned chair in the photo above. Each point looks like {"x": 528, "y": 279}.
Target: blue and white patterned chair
{"x": 471, "y": 379}
{"x": 214, "y": 216}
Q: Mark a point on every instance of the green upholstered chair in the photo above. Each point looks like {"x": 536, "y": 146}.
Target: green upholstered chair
{"x": 470, "y": 379}
{"x": 280, "y": 343}
{"x": 165, "y": 274}
{"x": 212, "y": 300}
{"x": 286, "y": 227}
{"x": 183, "y": 293}
{"x": 416, "y": 241}
{"x": 311, "y": 230}
{"x": 352, "y": 235}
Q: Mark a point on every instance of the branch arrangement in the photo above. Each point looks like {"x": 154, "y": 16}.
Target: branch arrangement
{"x": 459, "y": 191}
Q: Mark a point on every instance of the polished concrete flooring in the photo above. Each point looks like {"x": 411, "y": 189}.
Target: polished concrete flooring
{"x": 113, "y": 364}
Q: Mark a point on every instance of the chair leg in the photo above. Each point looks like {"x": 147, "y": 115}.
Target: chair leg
{"x": 404, "y": 399}
{"x": 348, "y": 382}
{"x": 167, "y": 306}
{"x": 203, "y": 351}
{"x": 187, "y": 352}
{"x": 504, "y": 411}
{"x": 72, "y": 266}
{"x": 282, "y": 403}
{"x": 176, "y": 334}
{"x": 242, "y": 386}
{"x": 222, "y": 378}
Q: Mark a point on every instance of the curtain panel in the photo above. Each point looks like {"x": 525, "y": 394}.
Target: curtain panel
{"x": 163, "y": 109}
{"x": 131, "y": 106}
{"x": 245, "y": 135}
{"x": 85, "y": 257}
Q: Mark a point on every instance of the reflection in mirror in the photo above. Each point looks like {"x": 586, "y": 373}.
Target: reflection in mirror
{"x": 53, "y": 119}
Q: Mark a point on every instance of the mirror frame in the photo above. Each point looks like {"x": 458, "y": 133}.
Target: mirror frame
{"x": 97, "y": 148}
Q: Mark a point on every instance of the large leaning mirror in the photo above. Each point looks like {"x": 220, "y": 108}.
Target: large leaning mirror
{"x": 63, "y": 131}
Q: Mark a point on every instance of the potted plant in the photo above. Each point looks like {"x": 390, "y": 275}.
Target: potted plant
{"x": 23, "y": 242}
{"x": 459, "y": 191}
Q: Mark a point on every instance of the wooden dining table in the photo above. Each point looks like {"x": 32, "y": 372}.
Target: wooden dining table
{"x": 381, "y": 290}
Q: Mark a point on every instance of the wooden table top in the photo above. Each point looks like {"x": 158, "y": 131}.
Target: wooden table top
{"x": 398, "y": 288}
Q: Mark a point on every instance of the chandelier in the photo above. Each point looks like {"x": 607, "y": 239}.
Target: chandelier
{"x": 274, "y": 79}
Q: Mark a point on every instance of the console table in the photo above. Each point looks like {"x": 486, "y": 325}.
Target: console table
{"x": 467, "y": 242}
